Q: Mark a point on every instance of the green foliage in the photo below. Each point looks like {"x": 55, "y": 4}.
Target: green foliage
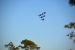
{"x": 70, "y": 25}
{"x": 11, "y": 46}
{"x": 71, "y": 35}
{"x": 28, "y": 44}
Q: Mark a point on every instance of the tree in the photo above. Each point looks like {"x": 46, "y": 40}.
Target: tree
{"x": 71, "y": 35}
{"x": 70, "y": 25}
{"x": 11, "y": 46}
{"x": 28, "y": 44}
{"x": 37, "y": 48}
{"x": 72, "y": 2}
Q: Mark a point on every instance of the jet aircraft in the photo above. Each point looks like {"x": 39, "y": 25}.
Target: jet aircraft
{"x": 42, "y": 16}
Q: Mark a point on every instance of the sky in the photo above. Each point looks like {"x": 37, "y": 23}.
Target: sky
{"x": 19, "y": 20}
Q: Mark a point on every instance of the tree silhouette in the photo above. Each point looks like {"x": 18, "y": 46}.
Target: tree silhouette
{"x": 37, "y": 48}
{"x": 71, "y": 35}
{"x": 28, "y": 44}
{"x": 72, "y": 2}
{"x": 70, "y": 25}
{"x": 11, "y": 46}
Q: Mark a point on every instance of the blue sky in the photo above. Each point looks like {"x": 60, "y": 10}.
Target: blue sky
{"x": 19, "y": 21}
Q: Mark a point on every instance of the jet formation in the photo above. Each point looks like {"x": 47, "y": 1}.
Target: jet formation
{"x": 42, "y": 16}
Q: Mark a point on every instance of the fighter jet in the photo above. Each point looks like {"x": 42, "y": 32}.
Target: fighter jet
{"x": 39, "y": 14}
{"x": 44, "y": 12}
{"x": 42, "y": 19}
{"x": 42, "y": 15}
